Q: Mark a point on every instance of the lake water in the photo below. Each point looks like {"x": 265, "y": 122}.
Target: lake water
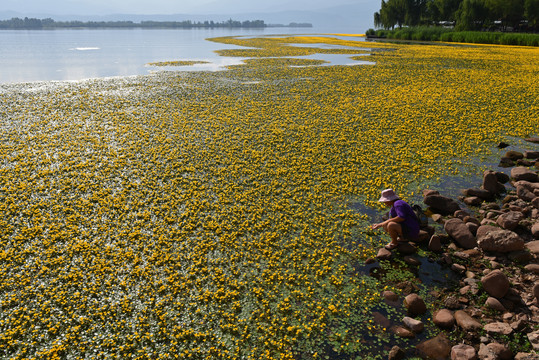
{"x": 45, "y": 55}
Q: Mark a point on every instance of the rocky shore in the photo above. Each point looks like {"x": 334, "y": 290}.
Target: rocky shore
{"x": 492, "y": 245}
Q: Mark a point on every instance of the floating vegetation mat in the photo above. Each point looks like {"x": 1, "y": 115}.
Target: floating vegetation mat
{"x": 206, "y": 215}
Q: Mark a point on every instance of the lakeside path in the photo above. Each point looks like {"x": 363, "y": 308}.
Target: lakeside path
{"x": 209, "y": 214}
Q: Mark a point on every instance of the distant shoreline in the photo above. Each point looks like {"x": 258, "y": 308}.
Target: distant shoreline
{"x": 50, "y": 24}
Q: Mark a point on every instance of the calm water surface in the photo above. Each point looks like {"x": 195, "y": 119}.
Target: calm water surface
{"x": 44, "y": 55}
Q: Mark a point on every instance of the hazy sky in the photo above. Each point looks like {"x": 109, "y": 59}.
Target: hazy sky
{"x": 169, "y": 6}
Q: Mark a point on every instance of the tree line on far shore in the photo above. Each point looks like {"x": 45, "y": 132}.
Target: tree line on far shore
{"x": 36, "y": 24}
{"x": 493, "y": 15}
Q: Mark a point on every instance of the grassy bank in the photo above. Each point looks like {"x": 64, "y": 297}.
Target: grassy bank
{"x": 450, "y": 35}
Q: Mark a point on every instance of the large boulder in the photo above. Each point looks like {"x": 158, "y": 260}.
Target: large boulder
{"x": 502, "y": 241}
{"x": 457, "y": 229}
{"x": 480, "y": 193}
{"x": 514, "y": 155}
{"x": 496, "y": 284}
{"x": 510, "y": 220}
{"x": 484, "y": 230}
{"x": 441, "y": 204}
{"x": 522, "y": 173}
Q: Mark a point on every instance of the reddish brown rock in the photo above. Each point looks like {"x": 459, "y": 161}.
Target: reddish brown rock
{"x": 533, "y": 268}
{"x": 494, "y": 304}
{"x": 444, "y": 319}
{"x": 466, "y": 322}
{"x": 522, "y": 173}
{"x": 458, "y": 230}
{"x": 402, "y": 332}
{"x": 500, "y": 241}
{"x": 383, "y": 254}
{"x": 498, "y": 328}
{"x": 535, "y": 230}
{"x": 491, "y": 183}
{"x": 415, "y": 305}
{"x": 441, "y": 204}
{"x": 463, "y": 352}
{"x": 533, "y": 246}
{"x": 494, "y": 351}
{"x": 495, "y": 284}
{"x": 435, "y": 243}
{"x": 436, "y": 348}
{"x": 510, "y": 220}
{"x": 413, "y": 324}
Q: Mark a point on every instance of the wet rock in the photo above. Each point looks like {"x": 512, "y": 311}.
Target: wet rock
{"x": 491, "y": 184}
{"x": 502, "y": 241}
{"x": 531, "y": 154}
{"x": 458, "y": 230}
{"x": 402, "y": 332}
{"x": 436, "y": 348}
{"x": 498, "y": 328}
{"x": 502, "y": 177}
{"x": 406, "y": 248}
{"x": 510, "y": 220}
{"x": 495, "y": 284}
{"x": 463, "y": 352}
{"x": 480, "y": 193}
{"x": 444, "y": 319}
{"x": 522, "y": 173}
{"x": 494, "y": 351}
{"x": 415, "y": 305}
{"x": 383, "y": 254}
{"x": 494, "y": 304}
{"x": 466, "y": 322}
{"x": 441, "y": 204}
{"x": 415, "y": 325}
{"x": 435, "y": 243}
{"x": 411, "y": 261}
{"x": 396, "y": 353}
{"x": 381, "y": 320}
{"x": 390, "y": 296}
{"x": 506, "y": 162}
{"x": 514, "y": 155}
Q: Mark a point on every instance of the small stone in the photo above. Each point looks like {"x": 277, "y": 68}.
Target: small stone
{"x": 413, "y": 324}
{"x": 463, "y": 352}
{"x": 535, "y": 291}
{"x": 494, "y": 304}
{"x": 411, "y": 261}
{"x": 396, "y": 353}
{"x": 381, "y": 320}
{"x": 526, "y": 356}
{"x": 460, "y": 269}
{"x": 444, "y": 319}
{"x": 498, "y": 328}
{"x": 533, "y": 268}
{"x": 383, "y": 254}
{"x": 533, "y": 246}
{"x": 452, "y": 302}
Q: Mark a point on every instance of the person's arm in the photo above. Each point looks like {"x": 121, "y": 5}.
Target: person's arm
{"x": 397, "y": 219}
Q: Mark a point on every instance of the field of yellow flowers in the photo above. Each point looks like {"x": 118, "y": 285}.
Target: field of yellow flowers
{"x": 207, "y": 215}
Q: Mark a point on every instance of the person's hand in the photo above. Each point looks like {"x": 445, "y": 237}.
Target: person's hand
{"x": 377, "y": 226}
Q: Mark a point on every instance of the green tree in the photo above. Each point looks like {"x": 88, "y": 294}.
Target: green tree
{"x": 471, "y": 15}
{"x": 531, "y": 12}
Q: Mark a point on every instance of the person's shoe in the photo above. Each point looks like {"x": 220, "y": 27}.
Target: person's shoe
{"x": 391, "y": 246}
{"x": 400, "y": 239}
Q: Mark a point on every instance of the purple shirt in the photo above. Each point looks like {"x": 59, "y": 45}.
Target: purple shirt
{"x": 410, "y": 225}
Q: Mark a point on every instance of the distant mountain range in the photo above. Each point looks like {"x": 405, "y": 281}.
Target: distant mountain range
{"x": 354, "y": 18}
